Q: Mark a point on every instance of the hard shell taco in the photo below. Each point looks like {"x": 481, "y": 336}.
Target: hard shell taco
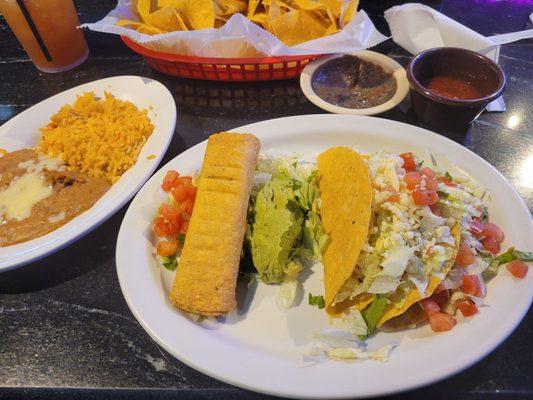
{"x": 388, "y": 249}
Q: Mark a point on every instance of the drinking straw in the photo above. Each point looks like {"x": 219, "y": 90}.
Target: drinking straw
{"x": 34, "y": 30}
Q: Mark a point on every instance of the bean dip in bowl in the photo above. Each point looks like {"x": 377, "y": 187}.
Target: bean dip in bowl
{"x": 363, "y": 83}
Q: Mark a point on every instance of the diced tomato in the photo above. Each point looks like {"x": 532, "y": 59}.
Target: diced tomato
{"x": 191, "y": 192}
{"x": 428, "y": 172}
{"x": 430, "y": 306}
{"x": 186, "y": 180}
{"x": 440, "y": 297}
{"x": 170, "y": 180}
{"x": 174, "y": 219}
{"x": 438, "y": 321}
{"x": 424, "y": 197}
{"x": 471, "y": 285}
{"x": 430, "y": 183}
{"x": 435, "y": 209}
{"x": 169, "y": 212}
{"x": 179, "y": 193}
{"x": 465, "y": 255}
{"x": 441, "y": 322}
{"x": 476, "y": 227}
{"x": 162, "y": 228}
{"x": 491, "y": 244}
{"x": 409, "y": 163}
{"x": 412, "y": 179}
{"x": 176, "y": 223}
{"x": 491, "y": 230}
{"x": 518, "y": 269}
{"x": 188, "y": 206}
{"x": 173, "y": 216}
{"x": 184, "y": 227}
{"x": 394, "y": 198}
{"x": 467, "y": 307}
{"x": 446, "y": 181}
{"x": 167, "y": 248}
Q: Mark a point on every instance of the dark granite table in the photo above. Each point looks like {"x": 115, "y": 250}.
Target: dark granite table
{"x": 65, "y": 330}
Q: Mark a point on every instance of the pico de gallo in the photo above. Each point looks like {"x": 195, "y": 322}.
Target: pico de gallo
{"x": 456, "y": 195}
{"x": 172, "y": 220}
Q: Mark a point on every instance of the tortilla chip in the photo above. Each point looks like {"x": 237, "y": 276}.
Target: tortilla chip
{"x": 346, "y": 193}
{"x": 140, "y": 27}
{"x": 198, "y": 14}
{"x": 142, "y": 8}
{"x": 229, "y": 7}
{"x": 414, "y": 296}
{"x": 297, "y": 26}
{"x": 164, "y": 19}
{"x": 260, "y": 19}
{"x": 333, "y": 5}
{"x": 252, "y": 7}
{"x": 321, "y": 11}
{"x": 331, "y": 30}
{"x": 348, "y": 12}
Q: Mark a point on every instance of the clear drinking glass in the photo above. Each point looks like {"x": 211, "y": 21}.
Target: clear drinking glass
{"x": 47, "y": 31}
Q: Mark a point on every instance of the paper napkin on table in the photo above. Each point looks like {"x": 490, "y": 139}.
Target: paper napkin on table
{"x": 417, "y": 27}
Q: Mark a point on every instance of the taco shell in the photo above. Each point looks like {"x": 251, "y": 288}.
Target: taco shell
{"x": 346, "y": 195}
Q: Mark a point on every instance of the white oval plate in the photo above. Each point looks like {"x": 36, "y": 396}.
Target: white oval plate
{"x": 387, "y": 63}
{"x": 22, "y": 131}
{"x": 260, "y": 347}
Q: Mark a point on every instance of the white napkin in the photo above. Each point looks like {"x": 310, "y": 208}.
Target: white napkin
{"x": 417, "y": 27}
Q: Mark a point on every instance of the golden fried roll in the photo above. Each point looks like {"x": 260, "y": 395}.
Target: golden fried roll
{"x": 206, "y": 277}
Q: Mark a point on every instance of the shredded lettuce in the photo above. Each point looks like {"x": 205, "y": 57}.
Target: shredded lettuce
{"x": 287, "y": 292}
{"x": 313, "y": 236}
{"x": 276, "y": 229}
{"x": 293, "y": 268}
{"x": 373, "y": 313}
{"x": 170, "y": 262}
{"x": 350, "y": 353}
{"x": 510, "y": 255}
{"x": 284, "y": 226}
{"x": 349, "y": 320}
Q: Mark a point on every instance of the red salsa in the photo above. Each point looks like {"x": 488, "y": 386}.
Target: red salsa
{"x": 459, "y": 88}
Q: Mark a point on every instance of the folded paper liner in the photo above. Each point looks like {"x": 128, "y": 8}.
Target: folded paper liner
{"x": 240, "y": 37}
{"x": 417, "y": 27}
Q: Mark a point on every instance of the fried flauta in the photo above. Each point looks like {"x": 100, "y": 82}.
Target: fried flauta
{"x": 206, "y": 278}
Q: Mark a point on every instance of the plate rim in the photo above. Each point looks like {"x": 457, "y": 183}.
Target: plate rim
{"x": 295, "y": 393}
{"x": 56, "y": 243}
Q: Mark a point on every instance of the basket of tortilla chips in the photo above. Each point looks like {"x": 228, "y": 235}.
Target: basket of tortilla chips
{"x": 238, "y": 39}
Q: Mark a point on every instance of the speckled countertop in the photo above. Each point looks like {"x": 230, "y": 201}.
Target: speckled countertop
{"x": 65, "y": 329}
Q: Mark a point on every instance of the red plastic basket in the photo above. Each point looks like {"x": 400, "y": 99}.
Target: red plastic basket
{"x": 223, "y": 69}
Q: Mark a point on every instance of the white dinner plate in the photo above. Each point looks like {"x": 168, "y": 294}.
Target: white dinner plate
{"x": 260, "y": 347}
{"x": 22, "y": 131}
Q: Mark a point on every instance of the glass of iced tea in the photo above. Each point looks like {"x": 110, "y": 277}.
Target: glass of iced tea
{"x": 47, "y": 29}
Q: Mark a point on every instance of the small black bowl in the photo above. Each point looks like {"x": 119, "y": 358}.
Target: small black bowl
{"x": 447, "y": 112}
